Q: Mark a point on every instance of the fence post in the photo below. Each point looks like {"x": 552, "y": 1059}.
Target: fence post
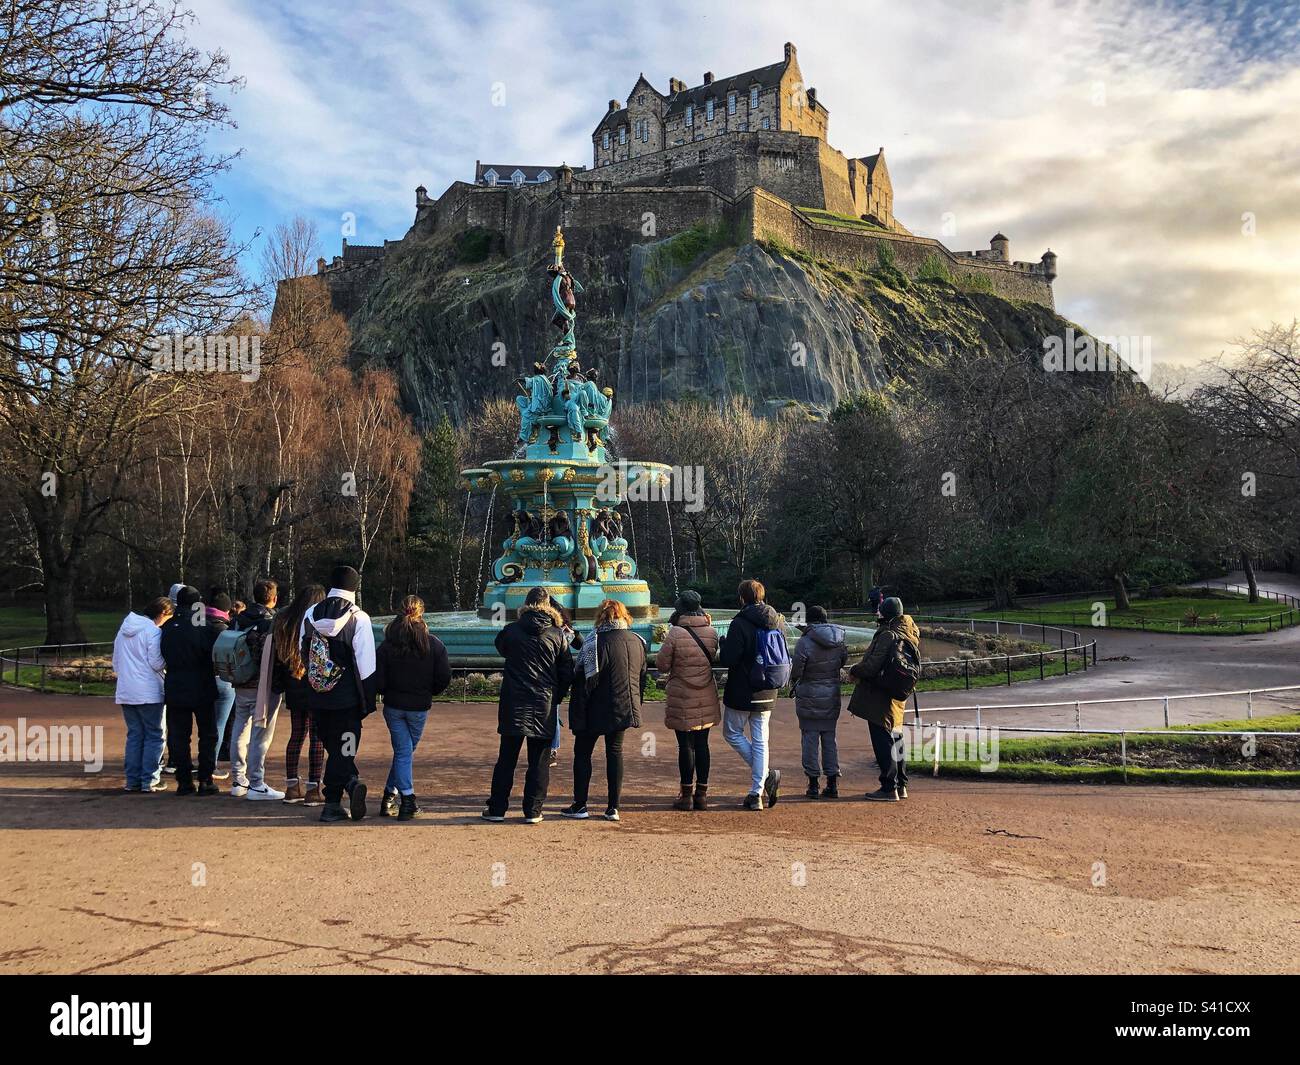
{"x": 1008, "y": 671}
{"x": 81, "y": 676}
{"x": 1123, "y": 754}
{"x": 1065, "y": 657}
{"x": 1041, "y": 674}
{"x": 1166, "y": 711}
{"x": 1250, "y": 705}
{"x": 967, "y": 670}
{"x": 977, "y": 726}
{"x": 938, "y": 742}
{"x": 1078, "y": 718}
{"x": 42, "y": 678}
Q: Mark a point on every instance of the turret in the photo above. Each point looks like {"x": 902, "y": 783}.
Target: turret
{"x": 421, "y": 196}
{"x": 1049, "y": 264}
{"x": 1000, "y": 248}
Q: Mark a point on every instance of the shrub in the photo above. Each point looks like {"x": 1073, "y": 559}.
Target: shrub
{"x": 933, "y": 268}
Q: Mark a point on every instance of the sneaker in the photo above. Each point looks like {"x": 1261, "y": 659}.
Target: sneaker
{"x": 149, "y": 789}
{"x": 577, "y": 812}
{"x": 314, "y": 796}
{"x": 185, "y": 787}
{"x": 488, "y": 815}
{"x": 883, "y": 795}
{"x": 208, "y": 788}
{"x": 264, "y": 793}
{"x": 357, "y": 797}
{"x": 902, "y": 791}
{"x": 753, "y": 802}
{"x": 533, "y": 819}
{"x": 238, "y": 791}
{"x": 555, "y": 759}
{"x": 221, "y": 774}
{"x": 771, "y": 785}
{"x": 388, "y": 804}
{"x": 333, "y": 812}
{"x": 170, "y": 770}
{"x": 409, "y": 809}
{"x": 611, "y": 814}
{"x": 293, "y": 793}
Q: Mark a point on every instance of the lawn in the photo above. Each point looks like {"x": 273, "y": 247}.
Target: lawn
{"x": 1235, "y": 614}
{"x": 1182, "y": 758}
{"x": 24, "y": 626}
{"x": 843, "y": 221}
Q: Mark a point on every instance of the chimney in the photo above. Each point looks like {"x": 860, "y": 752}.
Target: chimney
{"x": 790, "y": 51}
{"x": 676, "y": 85}
{"x": 812, "y": 99}
{"x": 320, "y": 265}
{"x": 708, "y": 77}
{"x": 614, "y": 105}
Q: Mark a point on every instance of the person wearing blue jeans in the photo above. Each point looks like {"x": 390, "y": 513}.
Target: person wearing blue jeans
{"x": 138, "y": 664}
{"x": 744, "y": 705}
{"x": 411, "y": 667}
{"x": 751, "y": 747}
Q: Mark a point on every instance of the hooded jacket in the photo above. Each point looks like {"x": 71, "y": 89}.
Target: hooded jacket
{"x": 738, "y": 650}
{"x": 610, "y": 699}
{"x": 187, "y": 649}
{"x": 869, "y": 700}
{"x": 815, "y": 668}
{"x": 409, "y": 681}
{"x": 538, "y": 672}
{"x": 691, "y": 696}
{"x": 138, "y": 661}
{"x": 351, "y": 638}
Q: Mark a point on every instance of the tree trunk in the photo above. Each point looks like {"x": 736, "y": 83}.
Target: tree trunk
{"x": 1002, "y": 597}
{"x": 1251, "y": 581}
{"x": 61, "y": 622}
{"x": 1121, "y": 592}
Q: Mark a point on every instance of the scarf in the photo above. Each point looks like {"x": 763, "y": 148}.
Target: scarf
{"x": 588, "y": 657}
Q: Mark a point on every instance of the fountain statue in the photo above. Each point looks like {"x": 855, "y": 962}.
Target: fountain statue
{"x": 566, "y": 532}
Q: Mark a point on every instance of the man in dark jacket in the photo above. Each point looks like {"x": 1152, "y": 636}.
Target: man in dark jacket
{"x": 348, "y": 669}
{"x": 248, "y": 764}
{"x": 743, "y": 707}
{"x": 537, "y": 674}
{"x": 190, "y": 691}
{"x": 882, "y": 712}
{"x": 815, "y": 673}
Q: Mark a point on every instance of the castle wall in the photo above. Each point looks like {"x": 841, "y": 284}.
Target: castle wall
{"x": 769, "y": 217}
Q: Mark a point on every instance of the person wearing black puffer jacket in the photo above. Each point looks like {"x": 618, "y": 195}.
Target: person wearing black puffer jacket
{"x": 190, "y": 691}
{"x": 743, "y": 707}
{"x": 410, "y": 669}
{"x": 536, "y": 677}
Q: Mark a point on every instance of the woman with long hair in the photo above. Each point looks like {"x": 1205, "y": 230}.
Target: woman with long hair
{"x": 411, "y": 667}
{"x": 606, "y": 702}
{"x": 289, "y": 677}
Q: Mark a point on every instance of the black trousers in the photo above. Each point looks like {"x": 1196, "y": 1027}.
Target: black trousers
{"x": 889, "y": 756}
{"x": 180, "y": 722}
{"x": 536, "y": 780}
{"x": 340, "y": 732}
{"x": 583, "y": 746}
{"x": 693, "y": 756}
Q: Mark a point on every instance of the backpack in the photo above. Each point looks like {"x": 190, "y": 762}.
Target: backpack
{"x": 902, "y": 669}
{"x": 770, "y": 668}
{"x": 323, "y": 673}
{"x": 236, "y": 662}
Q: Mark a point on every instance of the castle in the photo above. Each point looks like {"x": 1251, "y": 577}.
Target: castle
{"x": 750, "y": 149}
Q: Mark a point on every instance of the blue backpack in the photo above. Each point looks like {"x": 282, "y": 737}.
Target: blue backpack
{"x": 770, "y": 669}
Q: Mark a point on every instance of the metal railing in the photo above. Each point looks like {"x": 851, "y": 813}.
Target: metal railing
{"x": 44, "y": 658}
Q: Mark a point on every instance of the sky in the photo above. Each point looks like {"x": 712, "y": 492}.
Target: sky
{"x": 1152, "y": 145}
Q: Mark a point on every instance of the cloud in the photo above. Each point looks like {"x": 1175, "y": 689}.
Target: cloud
{"x": 1150, "y": 145}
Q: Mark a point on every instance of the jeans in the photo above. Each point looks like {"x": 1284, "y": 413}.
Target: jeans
{"x": 889, "y": 756}
{"x": 222, "y": 708}
{"x": 536, "y": 780}
{"x": 340, "y": 731}
{"x": 405, "y": 727}
{"x": 583, "y": 746}
{"x": 144, "y": 743}
{"x": 181, "y": 720}
{"x": 555, "y": 740}
{"x": 693, "y": 757}
{"x": 248, "y": 761}
{"x": 820, "y": 751}
{"x": 752, "y": 748}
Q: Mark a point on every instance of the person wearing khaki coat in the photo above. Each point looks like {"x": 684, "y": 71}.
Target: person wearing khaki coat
{"x": 882, "y": 712}
{"x": 685, "y": 664}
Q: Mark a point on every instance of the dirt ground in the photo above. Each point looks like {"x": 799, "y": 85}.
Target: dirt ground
{"x": 966, "y": 876}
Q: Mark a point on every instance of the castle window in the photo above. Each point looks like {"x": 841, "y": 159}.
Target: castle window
{"x": 543, "y": 175}
{"x": 490, "y": 176}
{"x": 708, "y": 109}
{"x": 622, "y": 134}
{"x": 690, "y": 114}
{"x": 753, "y": 96}
{"x": 767, "y": 123}
{"x": 517, "y": 178}
{"x": 640, "y": 100}
{"x": 731, "y": 103}
{"x": 604, "y": 139}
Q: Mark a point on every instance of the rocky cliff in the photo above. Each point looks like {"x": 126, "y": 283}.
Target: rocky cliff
{"x": 698, "y": 314}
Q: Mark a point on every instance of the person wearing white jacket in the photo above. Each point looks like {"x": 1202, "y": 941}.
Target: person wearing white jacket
{"x": 138, "y": 663}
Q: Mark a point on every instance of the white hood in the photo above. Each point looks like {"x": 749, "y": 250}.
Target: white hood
{"x": 138, "y": 661}
{"x": 134, "y": 625}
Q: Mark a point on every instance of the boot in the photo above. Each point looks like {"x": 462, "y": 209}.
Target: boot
{"x": 814, "y": 787}
{"x": 684, "y": 799}
{"x": 388, "y": 804}
{"x": 333, "y": 811}
{"x": 409, "y": 810}
{"x": 356, "y": 799}
{"x": 293, "y": 793}
{"x": 314, "y": 796}
{"x": 701, "y": 796}
{"x": 832, "y": 789}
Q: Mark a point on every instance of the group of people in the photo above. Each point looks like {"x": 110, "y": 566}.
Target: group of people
{"x": 317, "y": 657}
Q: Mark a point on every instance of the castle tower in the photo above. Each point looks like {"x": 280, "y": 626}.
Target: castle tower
{"x": 1000, "y": 248}
{"x": 1049, "y": 264}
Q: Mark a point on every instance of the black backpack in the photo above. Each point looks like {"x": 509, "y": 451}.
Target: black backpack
{"x": 902, "y": 669}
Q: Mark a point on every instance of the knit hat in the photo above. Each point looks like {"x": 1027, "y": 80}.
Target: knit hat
{"x": 187, "y": 596}
{"x": 816, "y": 615}
{"x": 345, "y": 578}
{"x": 689, "y": 602}
{"x": 891, "y": 608}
